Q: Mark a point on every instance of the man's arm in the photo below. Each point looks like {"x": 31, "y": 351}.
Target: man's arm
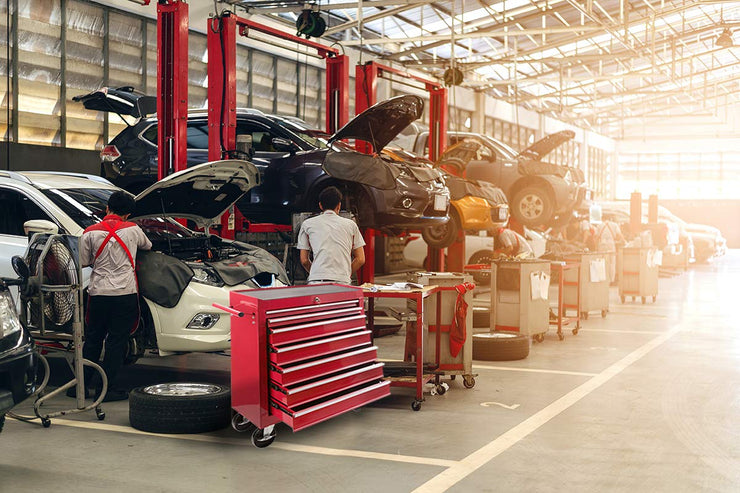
{"x": 144, "y": 243}
{"x": 86, "y": 258}
{"x": 305, "y": 260}
{"x": 358, "y": 259}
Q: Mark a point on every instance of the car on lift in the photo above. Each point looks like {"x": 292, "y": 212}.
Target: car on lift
{"x": 474, "y": 206}
{"x": 184, "y": 273}
{"x": 296, "y": 162}
{"x": 18, "y": 358}
{"x": 540, "y": 194}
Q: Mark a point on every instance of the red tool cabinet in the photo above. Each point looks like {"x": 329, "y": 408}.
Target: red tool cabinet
{"x": 301, "y": 355}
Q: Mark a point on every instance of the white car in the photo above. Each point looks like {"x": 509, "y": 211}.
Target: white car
{"x": 186, "y": 271}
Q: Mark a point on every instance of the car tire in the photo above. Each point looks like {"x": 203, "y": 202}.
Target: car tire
{"x": 482, "y": 278}
{"x": 443, "y": 235}
{"x": 2, "y": 421}
{"x": 532, "y": 206}
{"x": 500, "y": 346}
{"x": 181, "y": 407}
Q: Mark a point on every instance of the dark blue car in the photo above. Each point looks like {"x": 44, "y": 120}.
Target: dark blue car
{"x": 295, "y": 162}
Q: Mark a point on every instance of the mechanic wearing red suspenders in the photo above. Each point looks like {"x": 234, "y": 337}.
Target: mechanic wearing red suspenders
{"x": 113, "y": 305}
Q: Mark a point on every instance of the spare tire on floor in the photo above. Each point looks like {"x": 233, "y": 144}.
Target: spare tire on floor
{"x": 182, "y": 407}
{"x": 500, "y": 346}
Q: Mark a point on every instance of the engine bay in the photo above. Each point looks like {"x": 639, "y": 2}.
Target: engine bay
{"x": 196, "y": 248}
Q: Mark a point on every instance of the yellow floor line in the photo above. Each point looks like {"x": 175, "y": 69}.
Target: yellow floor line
{"x": 360, "y": 454}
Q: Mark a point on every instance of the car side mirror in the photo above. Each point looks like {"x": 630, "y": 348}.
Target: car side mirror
{"x": 283, "y": 145}
{"x": 20, "y": 267}
{"x": 40, "y": 226}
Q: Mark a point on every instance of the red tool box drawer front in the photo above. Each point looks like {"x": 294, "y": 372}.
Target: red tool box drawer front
{"x": 298, "y": 310}
{"x": 313, "y": 330}
{"x": 308, "y": 392}
{"x": 295, "y": 374}
{"x": 303, "y": 418}
{"x": 283, "y": 355}
{"x": 303, "y": 318}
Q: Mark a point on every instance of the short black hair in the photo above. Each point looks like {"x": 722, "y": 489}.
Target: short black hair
{"x": 330, "y": 198}
{"x": 121, "y": 203}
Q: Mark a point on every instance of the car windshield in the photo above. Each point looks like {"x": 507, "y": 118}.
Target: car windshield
{"x": 315, "y": 138}
{"x": 86, "y": 206}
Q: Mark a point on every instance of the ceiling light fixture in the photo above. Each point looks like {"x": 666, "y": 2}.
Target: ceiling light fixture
{"x": 724, "y": 40}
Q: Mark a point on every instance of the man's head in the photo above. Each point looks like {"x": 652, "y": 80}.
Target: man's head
{"x": 330, "y": 199}
{"x": 121, "y": 204}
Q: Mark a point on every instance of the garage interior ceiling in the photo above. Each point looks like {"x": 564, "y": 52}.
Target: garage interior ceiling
{"x": 613, "y": 66}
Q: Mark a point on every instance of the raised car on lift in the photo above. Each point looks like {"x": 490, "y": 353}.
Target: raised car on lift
{"x": 296, "y": 162}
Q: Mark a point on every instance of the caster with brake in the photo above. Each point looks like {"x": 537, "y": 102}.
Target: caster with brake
{"x": 416, "y": 405}
{"x": 260, "y": 439}
{"x": 46, "y": 422}
{"x": 240, "y": 423}
{"x": 100, "y": 414}
{"x": 441, "y": 389}
{"x": 603, "y": 313}
{"x": 575, "y": 331}
{"x": 468, "y": 381}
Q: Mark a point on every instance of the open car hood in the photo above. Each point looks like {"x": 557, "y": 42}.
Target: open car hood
{"x": 382, "y": 122}
{"x": 201, "y": 193}
{"x": 544, "y": 146}
{"x": 122, "y": 101}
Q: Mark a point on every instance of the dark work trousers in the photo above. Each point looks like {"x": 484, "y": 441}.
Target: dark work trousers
{"x": 114, "y": 317}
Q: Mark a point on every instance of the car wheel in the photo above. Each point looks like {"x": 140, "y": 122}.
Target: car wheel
{"x": 443, "y": 235}
{"x": 2, "y": 421}
{"x": 500, "y": 346}
{"x": 360, "y": 204}
{"x": 180, "y": 407}
{"x": 532, "y": 207}
{"x": 482, "y": 277}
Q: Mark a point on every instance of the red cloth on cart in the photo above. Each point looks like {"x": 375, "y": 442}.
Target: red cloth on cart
{"x": 458, "y": 332}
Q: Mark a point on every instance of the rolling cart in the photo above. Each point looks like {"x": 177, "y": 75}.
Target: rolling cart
{"x": 299, "y": 355}
{"x": 561, "y": 268}
{"x": 638, "y": 274}
{"x": 517, "y": 301}
{"x": 589, "y": 287}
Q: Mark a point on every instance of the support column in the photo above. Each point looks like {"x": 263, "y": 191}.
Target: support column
{"x": 366, "y": 95}
{"x": 172, "y": 86}
{"x": 337, "y": 93}
{"x": 437, "y": 121}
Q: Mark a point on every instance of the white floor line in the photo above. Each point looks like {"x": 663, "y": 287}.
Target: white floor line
{"x": 535, "y": 370}
{"x": 479, "y": 458}
{"x": 620, "y": 331}
{"x": 361, "y": 454}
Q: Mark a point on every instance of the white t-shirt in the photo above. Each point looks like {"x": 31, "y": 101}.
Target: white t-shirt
{"x": 331, "y": 238}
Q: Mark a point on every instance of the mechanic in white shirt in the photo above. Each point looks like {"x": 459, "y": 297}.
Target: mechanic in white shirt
{"x": 335, "y": 241}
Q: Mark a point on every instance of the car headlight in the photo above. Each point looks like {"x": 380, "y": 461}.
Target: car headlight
{"x": 205, "y": 275}
{"x": 9, "y": 322}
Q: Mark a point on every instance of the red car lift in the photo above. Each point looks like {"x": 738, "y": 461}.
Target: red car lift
{"x": 366, "y": 92}
{"x": 172, "y": 86}
{"x": 222, "y": 32}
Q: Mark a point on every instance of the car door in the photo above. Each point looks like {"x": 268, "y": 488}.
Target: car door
{"x": 15, "y": 209}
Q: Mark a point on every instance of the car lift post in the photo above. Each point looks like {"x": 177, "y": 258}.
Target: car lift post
{"x": 366, "y": 87}
{"x": 221, "y": 38}
{"x": 172, "y": 86}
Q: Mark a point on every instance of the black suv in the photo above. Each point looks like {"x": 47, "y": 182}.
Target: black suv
{"x": 18, "y": 359}
{"x": 295, "y": 162}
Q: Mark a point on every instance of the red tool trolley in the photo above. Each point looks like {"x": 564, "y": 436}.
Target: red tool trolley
{"x": 300, "y": 355}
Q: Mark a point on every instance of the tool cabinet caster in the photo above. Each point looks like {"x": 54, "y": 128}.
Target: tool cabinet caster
{"x": 416, "y": 405}
{"x": 452, "y": 377}
{"x": 263, "y": 438}
{"x": 441, "y": 389}
{"x": 100, "y": 414}
{"x": 468, "y": 381}
{"x": 561, "y": 336}
{"x": 240, "y": 423}
{"x": 46, "y": 422}
{"x": 575, "y": 331}
{"x": 603, "y": 313}
{"x": 538, "y": 337}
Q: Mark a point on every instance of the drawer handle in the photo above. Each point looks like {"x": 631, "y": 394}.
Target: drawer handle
{"x": 228, "y": 309}
{"x": 317, "y": 300}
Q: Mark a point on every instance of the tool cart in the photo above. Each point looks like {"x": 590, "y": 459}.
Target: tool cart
{"x": 559, "y": 268}
{"x": 638, "y": 274}
{"x": 300, "y": 355}
{"x": 519, "y": 297}
{"x": 590, "y": 284}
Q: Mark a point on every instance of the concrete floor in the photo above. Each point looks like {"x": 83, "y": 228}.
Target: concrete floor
{"x": 647, "y": 399}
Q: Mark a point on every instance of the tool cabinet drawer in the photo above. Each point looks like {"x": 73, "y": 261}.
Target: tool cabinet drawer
{"x": 293, "y": 353}
{"x": 312, "y": 330}
{"x": 303, "y": 317}
{"x": 313, "y": 413}
{"x": 313, "y": 390}
{"x": 298, "y": 310}
{"x": 293, "y": 374}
